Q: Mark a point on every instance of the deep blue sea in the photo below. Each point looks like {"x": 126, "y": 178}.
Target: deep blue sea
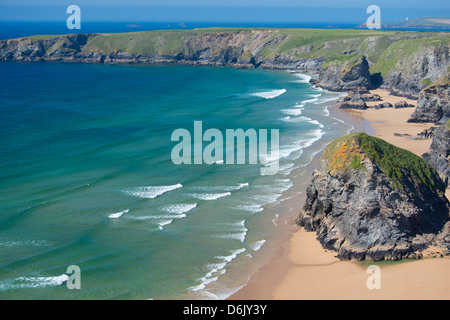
{"x": 17, "y": 29}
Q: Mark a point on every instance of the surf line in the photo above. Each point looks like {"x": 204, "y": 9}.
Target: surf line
{"x": 190, "y": 150}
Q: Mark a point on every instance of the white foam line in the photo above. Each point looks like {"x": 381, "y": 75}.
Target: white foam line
{"x": 152, "y": 191}
{"x": 269, "y": 94}
{"x": 222, "y": 188}
{"x": 159, "y": 217}
{"x": 161, "y": 225}
{"x": 118, "y": 215}
{"x": 251, "y": 208}
{"x": 166, "y": 217}
{"x": 25, "y": 243}
{"x": 210, "y": 196}
{"x": 292, "y": 112}
{"x": 236, "y": 236}
{"x": 257, "y": 245}
{"x": 310, "y": 101}
{"x": 303, "y": 78}
{"x": 33, "y": 282}
{"x": 232, "y": 256}
{"x": 215, "y": 270}
{"x": 179, "y": 208}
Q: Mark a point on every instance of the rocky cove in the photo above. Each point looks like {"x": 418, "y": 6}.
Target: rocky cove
{"x": 369, "y": 200}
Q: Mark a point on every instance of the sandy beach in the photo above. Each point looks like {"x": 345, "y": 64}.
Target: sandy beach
{"x": 305, "y": 271}
{"x": 387, "y": 122}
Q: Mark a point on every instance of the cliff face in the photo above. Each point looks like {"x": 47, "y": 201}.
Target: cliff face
{"x": 400, "y": 60}
{"x": 439, "y": 155}
{"x": 239, "y": 49}
{"x": 64, "y": 48}
{"x": 407, "y": 66}
{"x": 371, "y": 200}
{"x": 348, "y": 75}
{"x": 410, "y": 74}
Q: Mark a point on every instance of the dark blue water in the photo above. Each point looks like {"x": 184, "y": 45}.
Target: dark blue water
{"x": 11, "y": 30}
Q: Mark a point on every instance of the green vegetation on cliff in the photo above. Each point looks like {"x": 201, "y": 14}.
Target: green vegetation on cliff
{"x": 350, "y": 151}
{"x": 388, "y": 53}
{"x": 405, "y": 50}
{"x": 316, "y": 43}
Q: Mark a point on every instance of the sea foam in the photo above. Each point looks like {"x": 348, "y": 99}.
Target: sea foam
{"x": 303, "y": 78}
{"x": 210, "y": 196}
{"x": 118, "y": 214}
{"x": 25, "y": 243}
{"x": 216, "y": 269}
{"x": 222, "y": 188}
{"x": 179, "y": 208}
{"x": 257, "y": 245}
{"x": 269, "y": 94}
{"x": 33, "y": 282}
{"x": 152, "y": 191}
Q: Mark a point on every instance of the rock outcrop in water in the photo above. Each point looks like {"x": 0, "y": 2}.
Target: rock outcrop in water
{"x": 373, "y": 201}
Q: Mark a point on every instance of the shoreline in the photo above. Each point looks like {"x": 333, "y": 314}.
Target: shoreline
{"x": 305, "y": 271}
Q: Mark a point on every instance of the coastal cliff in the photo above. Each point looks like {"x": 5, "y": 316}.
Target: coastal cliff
{"x": 351, "y": 74}
{"x": 373, "y": 201}
{"x": 439, "y": 155}
{"x": 409, "y": 66}
{"x": 403, "y": 62}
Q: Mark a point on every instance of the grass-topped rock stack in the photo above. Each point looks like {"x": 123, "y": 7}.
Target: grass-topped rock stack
{"x": 373, "y": 201}
{"x": 344, "y": 73}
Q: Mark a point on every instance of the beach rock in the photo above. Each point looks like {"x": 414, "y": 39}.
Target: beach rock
{"x": 373, "y": 201}
{"x": 371, "y": 97}
{"x": 402, "y": 105}
{"x": 354, "y": 101}
{"x": 434, "y": 103}
{"x": 384, "y": 106}
{"x": 427, "y": 133}
{"x": 402, "y": 135}
{"x": 439, "y": 155}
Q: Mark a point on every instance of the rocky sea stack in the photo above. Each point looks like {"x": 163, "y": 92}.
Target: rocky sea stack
{"x": 373, "y": 201}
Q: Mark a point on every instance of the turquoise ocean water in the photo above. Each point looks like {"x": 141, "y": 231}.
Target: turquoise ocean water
{"x": 86, "y": 177}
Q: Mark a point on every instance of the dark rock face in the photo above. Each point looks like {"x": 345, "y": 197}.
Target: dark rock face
{"x": 439, "y": 155}
{"x": 402, "y": 105}
{"x": 434, "y": 103}
{"x": 371, "y": 97}
{"x": 354, "y": 101}
{"x": 406, "y": 78}
{"x": 351, "y": 75}
{"x": 385, "y": 105}
{"x": 250, "y": 49}
{"x": 357, "y": 211}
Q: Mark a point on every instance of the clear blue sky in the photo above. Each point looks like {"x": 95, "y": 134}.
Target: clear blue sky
{"x": 222, "y": 10}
